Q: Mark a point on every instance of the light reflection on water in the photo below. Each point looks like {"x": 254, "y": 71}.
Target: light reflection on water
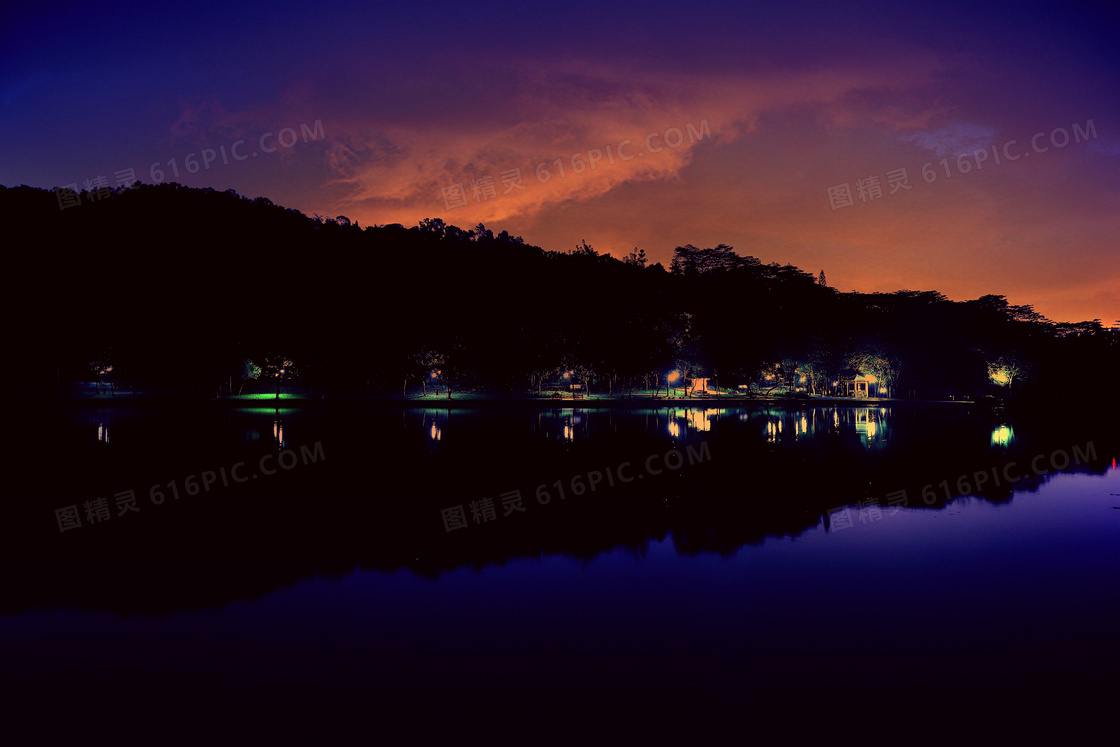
{"x": 870, "y": 424}
{"x": 963, "y": 598}
{"x": 968, "y": 587}
{"x": 1002, "y": 435}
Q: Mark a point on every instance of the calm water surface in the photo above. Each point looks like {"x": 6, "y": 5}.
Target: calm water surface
{"x": 764, "y": 571}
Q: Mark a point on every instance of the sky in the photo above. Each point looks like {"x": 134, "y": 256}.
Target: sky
{"x": 951, "y": 146}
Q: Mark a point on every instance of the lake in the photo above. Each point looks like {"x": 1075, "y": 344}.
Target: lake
{"x": 540, "y": 575}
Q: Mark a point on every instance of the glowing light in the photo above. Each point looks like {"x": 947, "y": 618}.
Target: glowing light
{"x": 1002, "y": 435}
{"x": 1000, "y": 377}
{"x": 673, "y": 375}
{"x": 674, "y": 429}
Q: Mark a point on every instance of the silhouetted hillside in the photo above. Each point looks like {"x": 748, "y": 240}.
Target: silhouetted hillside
{"x": 177, "y": 289}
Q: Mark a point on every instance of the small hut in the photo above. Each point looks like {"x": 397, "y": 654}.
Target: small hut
{"x": 858, "y": 386}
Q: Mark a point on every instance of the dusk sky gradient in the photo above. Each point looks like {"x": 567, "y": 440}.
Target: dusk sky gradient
{"x": 797, "y": 97}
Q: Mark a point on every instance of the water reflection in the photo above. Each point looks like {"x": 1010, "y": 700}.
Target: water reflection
{"x": 566, "y": 424}
{"x": 396, "y": 469}
{"x": 798, "y": 613}
{"x": 102, "y": 420}
{"x": 857, "y": 452}
{"x": 674, "y": 428}
{"x": 256, "y": 425}
{"x": 773, "y": 429}
{"x": 1002, "y": 435}
{"x": 697, "y": 419}
{"x": 869, "y": 424}
{"x": 432, "y": 424}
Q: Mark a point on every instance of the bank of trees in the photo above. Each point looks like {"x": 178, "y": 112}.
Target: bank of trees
{"x": 193, "y": 283}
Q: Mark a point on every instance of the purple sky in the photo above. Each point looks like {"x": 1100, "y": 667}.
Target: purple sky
{"x": 403, "y": 112}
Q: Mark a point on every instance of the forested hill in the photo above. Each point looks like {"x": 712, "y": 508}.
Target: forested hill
{"x": 187, "y": 289}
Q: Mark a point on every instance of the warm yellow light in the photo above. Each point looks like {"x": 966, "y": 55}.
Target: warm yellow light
{"x": 1002, "y": 435}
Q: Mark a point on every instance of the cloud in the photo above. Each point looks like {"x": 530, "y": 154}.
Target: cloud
{"x": 960, "y": 137}
{"x": 572, "y": 132}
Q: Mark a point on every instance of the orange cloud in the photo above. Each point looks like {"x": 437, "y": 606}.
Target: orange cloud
{"x": 574, "y": 132}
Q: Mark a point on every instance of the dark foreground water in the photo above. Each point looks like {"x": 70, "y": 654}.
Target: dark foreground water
{"x": 546, "y": 576}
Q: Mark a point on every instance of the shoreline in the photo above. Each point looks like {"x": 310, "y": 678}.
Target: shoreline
{"x": 476, "y": 401}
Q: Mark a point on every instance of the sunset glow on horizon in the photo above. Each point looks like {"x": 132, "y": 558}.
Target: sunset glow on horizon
{"x": 940, "y": 147}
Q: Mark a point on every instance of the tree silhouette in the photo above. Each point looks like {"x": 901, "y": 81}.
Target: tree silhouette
{"x": 503, "y": 312}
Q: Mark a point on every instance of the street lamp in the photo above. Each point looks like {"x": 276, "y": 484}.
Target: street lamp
{"x": 670, "y": 378}
{"x": 569, "y": 375}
